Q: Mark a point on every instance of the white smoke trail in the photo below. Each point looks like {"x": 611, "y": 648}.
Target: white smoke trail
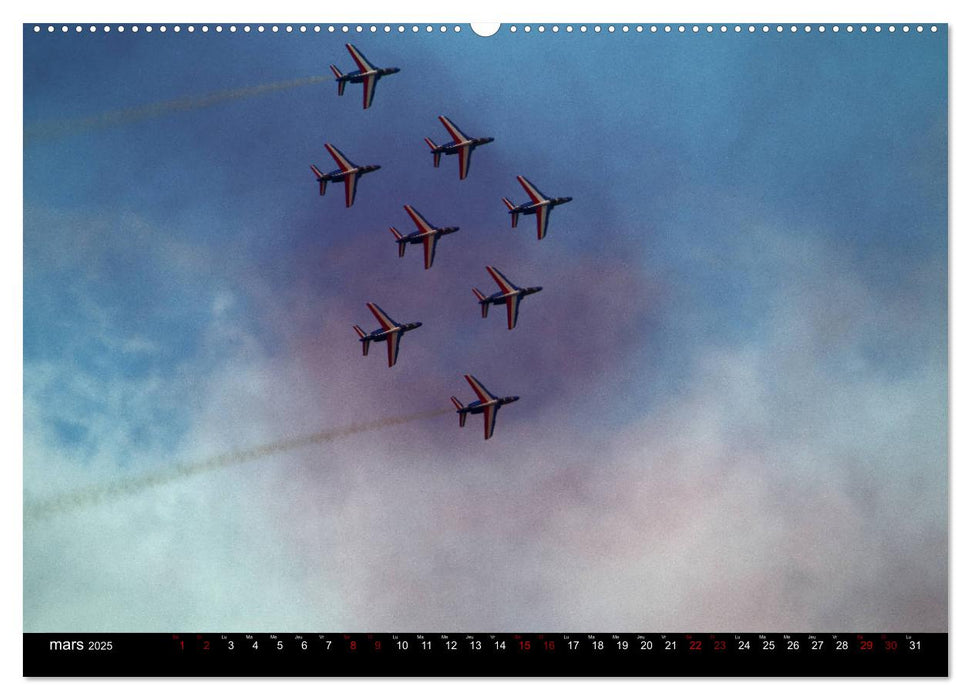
{"x": 93, "y": 495}
{"x": 55, "y": 129}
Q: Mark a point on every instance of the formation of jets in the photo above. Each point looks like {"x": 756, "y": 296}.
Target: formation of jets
{"x": 391, "y": 332}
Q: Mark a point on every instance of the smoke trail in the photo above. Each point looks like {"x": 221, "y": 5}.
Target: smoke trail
{"x": 93, "y": 495}
{"x": 55, "y": 129}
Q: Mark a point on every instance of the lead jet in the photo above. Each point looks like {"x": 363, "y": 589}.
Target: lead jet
{"x": 539, "y": 204}
{"x": 508, "y": 294}
{"x": 487, "y": 404}
{"x": 426, "y": 234}
{"x": 366, "y": 73}
{"x": 347, "y": 172}
{"x": 460, "y": 143}
{"x": 389, "y": 332}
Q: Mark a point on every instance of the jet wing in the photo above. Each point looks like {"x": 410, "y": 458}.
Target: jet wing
{"x": 343, "y": 162}
{"x": 420, "y": 222}
{"x": 531, "y": 190}
{"x": 386, "y": 321}
{"x": 480, "y": 391}
{"x": 512, "y": 310}
{"x": 453, "y": 131}
{"x": 429, "y": 243}
{"x": 350, "y": 189}
{"x": 505, "y": 285}
{"x": 370, "y": 81}
{"x": 465, "y": 158}
{"x": 363, "y": 64}
{"x": 542, "y": 220}
{"x": 394, "y": 342}
{"x": 489, "y": 414}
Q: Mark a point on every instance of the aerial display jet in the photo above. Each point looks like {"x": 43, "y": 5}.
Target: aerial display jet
{"x": 366, "y": 73}
{"x": 487, "y": 404}
{"x": 389, "y": 332}
{"x": 461, "y": 144}
{"x": 426, "y": 234}
{"x": 347, "y": 172}
{"x": 539, "y": 204}
{"x": 508, "y": 294}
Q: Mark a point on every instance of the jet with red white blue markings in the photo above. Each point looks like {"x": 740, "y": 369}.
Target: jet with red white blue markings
{"x": 389, "y": 332}
{"x": 426, "y": 234}
{"x": 461, "y": 144}
{"x": 366, "y": 73}
{"x": 487, "y": 404}
{"x": 347, "y": 172}
{"x": 508, "y": 294}
{"x": 539, "y": 205}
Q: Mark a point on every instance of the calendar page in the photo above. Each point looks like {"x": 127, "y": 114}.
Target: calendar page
{"x": 538, "y": 349}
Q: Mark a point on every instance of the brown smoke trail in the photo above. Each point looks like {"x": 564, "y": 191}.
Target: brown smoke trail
{"x": 55, "y": 129}
{"x": 96, "y": 494}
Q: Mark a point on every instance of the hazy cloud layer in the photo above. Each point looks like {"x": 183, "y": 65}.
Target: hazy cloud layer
{"x": 733, "y": 382}
{"x": 758, "y": 497}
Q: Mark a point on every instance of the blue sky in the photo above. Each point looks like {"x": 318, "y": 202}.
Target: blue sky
{"x": 750, "y": 284}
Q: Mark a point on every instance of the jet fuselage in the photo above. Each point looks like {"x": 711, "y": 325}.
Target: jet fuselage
{"x": 358, "y": 77}
{"x": 452, "y": 147}
{"x": 381, "y": 334}
{"x": 500, "y": 297}
{"x": 340, "y": 175}
{"x": 477, "y": 406}
{"x": 531, "y": 207}
{"x": 418, "y": 236}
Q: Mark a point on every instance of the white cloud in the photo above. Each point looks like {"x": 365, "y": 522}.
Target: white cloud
{"x": 796, "y": 481}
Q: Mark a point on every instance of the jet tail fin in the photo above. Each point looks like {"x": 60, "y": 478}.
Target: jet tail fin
{"x": 436, "y": 154}
{"x": 459, "y": 406}
{"x": 480, "y": 296}
{"x": 362, "y": 335}
{"x": 512, "y": 210}
{"x": 401, "y": 243}
{"x": 320, "y": 178}
{"x": 337, "y": 74}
